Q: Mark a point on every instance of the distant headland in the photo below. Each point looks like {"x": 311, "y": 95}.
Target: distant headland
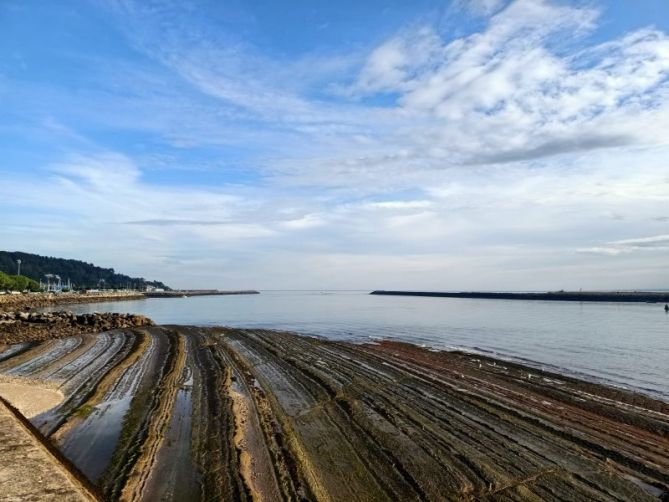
{"x": 29, "y": 281}
{"x": 61, "y": 274}
{"x": 565, "y": 296}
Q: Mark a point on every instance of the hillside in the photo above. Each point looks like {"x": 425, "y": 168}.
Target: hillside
{"x": 81, "y": 274}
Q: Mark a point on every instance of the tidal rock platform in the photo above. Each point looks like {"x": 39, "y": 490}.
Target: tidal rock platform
{"x": 191, "y": 413}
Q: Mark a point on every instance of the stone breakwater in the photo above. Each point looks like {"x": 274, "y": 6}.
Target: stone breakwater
{"x": 560, "y": 296}
{"x": 20, "y": 327}
{"x": 36, "y": 300}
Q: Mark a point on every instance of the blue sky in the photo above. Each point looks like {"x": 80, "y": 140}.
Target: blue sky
{"x": 483, "y": 144}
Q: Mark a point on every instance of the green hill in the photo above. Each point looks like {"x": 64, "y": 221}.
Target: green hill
{"x": 17, "y": 283}
{"x": 81, "y": 274}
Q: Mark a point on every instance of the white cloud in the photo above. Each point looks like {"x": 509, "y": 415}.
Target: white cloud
{"x": 519, "y": 89}
{"x": 661, "y": 240}
{"x": 392, "y": 65}
{"x": 509, "y": 228}
{"x": 305, "y": 222}
{"x": 400, "y": 204}
{"x": 653, "y": 243}
{"x": 478, "y": 7}
{"x": 104, "y": 173}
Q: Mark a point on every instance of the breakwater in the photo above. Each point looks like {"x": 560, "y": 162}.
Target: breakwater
{"x": 198, "y": 292}
{"x": 565, "y": 296}
{"x": 37, "y": 300}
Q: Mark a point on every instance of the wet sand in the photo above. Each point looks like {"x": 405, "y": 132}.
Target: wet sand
{"x": 187, "y": 413}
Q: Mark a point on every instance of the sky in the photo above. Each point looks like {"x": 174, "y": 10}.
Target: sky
{"x": 427, "y": 145}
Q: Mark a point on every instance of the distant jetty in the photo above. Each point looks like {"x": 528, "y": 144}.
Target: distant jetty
{"x": 11, "y": 302}
{"x": 563, "y": 296}
{"x": 198, "y": 292}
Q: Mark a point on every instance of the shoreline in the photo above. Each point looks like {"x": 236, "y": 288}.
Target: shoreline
{"x": 564, "y": 296}
{"x": 37, "y": 300}
{"x": 10, "y": 302}
{"x": 542, "y": 367}
{"x": 325, "y": 419}
{"x": 38, "y": 326}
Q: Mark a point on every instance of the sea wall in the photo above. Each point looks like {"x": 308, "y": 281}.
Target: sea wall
{"x": 198, "y": 292}
{"x": 10, "y": 302}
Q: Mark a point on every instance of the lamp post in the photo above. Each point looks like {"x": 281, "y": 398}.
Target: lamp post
{"x": 19, "y": 267}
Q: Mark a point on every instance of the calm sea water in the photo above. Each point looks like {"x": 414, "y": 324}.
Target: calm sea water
{"x": 622, "y": 344}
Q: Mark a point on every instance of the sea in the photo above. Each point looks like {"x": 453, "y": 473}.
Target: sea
{"x": 620, "y": 344}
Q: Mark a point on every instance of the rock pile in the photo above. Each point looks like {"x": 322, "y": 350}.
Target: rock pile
{"x": 18, "y": 327}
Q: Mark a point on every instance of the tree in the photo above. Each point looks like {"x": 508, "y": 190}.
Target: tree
{"x": 17, "y": 283}
{"x": 81, "y": 274}
{"x": 5, "y": 282}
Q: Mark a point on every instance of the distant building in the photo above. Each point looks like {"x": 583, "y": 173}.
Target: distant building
{"x": 153, "y": 289}
{"x": 54, "y": 284}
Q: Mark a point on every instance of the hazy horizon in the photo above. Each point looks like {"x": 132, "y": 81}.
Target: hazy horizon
{"x": 462, "y": 145}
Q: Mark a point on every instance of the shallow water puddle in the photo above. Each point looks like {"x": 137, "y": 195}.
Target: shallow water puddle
{"x": 90, "y": 445}
{"x": 60, "y": 348}
{"x": 174, "y": 476}
{"x": 96, "y": 438}
{"x": 11, "y": 350}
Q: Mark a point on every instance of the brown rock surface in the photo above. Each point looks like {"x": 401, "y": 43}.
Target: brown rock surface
{"x": 20, "y": 327}
{"x": 191, "y": 413}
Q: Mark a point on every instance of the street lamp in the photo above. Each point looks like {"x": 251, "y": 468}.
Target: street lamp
{"x": 19, "y": 265}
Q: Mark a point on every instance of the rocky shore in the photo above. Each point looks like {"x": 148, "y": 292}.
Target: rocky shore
{"x": 21, "y": 327}
{"x": 191, "y": 413}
